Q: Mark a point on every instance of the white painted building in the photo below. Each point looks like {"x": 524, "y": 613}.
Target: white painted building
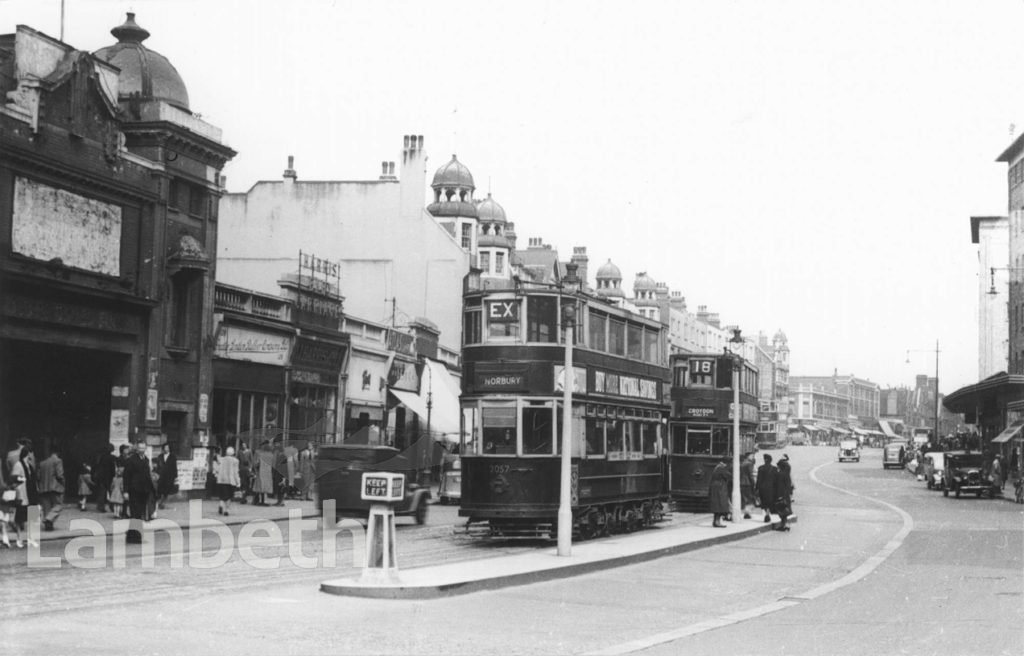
{"x": 992, "y": 235}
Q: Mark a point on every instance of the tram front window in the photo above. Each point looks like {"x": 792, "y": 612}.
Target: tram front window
{"x": 698, "y": 441}
{"x": 537, "y": 431}
{"x": 720, "y": 442}
{"x": 499, "y": 430}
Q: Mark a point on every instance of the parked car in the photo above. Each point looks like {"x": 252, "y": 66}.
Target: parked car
{"x": 934, "y": 466}
{"x": 849, "y": 450}
{"x": 965, "y": 473}
{"x": 893, "y": 454}
{"x": 340, "y": 468}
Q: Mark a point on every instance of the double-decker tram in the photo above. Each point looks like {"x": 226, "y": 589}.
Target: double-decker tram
{"x": 701, "y": 425}
{"x": 512, "y": 411}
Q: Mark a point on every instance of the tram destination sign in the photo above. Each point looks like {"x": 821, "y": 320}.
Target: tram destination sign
{"x": 504, "y": 311}
{"x": 503, "y": 378}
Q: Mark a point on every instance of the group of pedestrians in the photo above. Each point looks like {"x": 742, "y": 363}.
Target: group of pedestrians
{"x": 771, "y": 489}
{"x": 271, "y": 473}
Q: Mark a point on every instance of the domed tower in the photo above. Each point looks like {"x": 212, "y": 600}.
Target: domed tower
{"x": 609, "y": 283}
{"x": 453, "y": 205}
{"x": 146, "y": 75}
{"x": 494, "y": 248}
{"x": 645, "y": 296}
{"x": 780, "y": 345}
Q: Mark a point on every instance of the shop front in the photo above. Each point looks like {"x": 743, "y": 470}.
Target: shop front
{"x": 313, "y": 389}
{"x": 366, "y": 398}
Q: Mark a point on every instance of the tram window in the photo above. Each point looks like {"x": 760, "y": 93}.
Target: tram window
{"x": 615, "y": 445}
{"x": 499, "y": 429}
{"x": 595, "y": 437}
{"x": 720, "y": 442}
{"x": 635, "y": 341}
{"x": 471, "y": 329}
{"x": 649, "y": 439}
{"x": 702, "y": 372}
{"x": 537, "y": 431}
{"x": 542, "y": 319}
{"x": 470, "y": 431}
{"x": 678, "y": 439}
{"x": 698, "y": 441}
{"x": 598, "y": 328}
{"x": 616, "y": 337}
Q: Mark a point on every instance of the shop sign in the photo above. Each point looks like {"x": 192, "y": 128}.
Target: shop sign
{"x": 579, "y": 379}
{"x": 319, "y": 355}
{"x": 235, "y": 343}
{"x": 506, "y": 311}
{"x": 400, "y": 342}
{"x": 367, "y": 378}
{"x": 632, "y": 387}
{"x": 403, "y": 376}
{"x": 500, "y": 379}
{"x": 307, "y": 377}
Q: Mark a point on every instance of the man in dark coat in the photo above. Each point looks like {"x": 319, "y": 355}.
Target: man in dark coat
{"x": 718, "y": 492}
{"x": 138, "y": 488}
{"x": 783, "y": 493}
{"x": 51, "y": 487}
{"x": 103, "y": 475}
{"x": 767, "y": 486}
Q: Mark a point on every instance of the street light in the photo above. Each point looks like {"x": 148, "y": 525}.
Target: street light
{"x": 565, "y": 480}
{"x": 936, "y": 351}
{"x": 737, "y": 366}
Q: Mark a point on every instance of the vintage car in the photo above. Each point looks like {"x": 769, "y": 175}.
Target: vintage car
{"x": 849, "y": 450}
{"x": 893, "y": 454}
{"x": 965, "y": 473}
{"x": 933, "y": 465}
{"x": 340, "y": 469}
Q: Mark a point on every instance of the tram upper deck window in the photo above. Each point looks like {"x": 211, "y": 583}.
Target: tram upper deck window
{"x": 702, "y": 372}
{"x": 542, "y": 319}
{"x": 720, "y": 442}
{"x": 598, "y": 328}
{"x": 537, "y": 430}
{"x": 502, "y": 317}
{"x": 498, "y": 426}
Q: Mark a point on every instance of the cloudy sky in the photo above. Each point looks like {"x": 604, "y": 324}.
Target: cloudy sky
{"x": 810, "y": 166}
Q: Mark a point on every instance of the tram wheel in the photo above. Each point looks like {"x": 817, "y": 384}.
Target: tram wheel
{"x": 632, "y": 520}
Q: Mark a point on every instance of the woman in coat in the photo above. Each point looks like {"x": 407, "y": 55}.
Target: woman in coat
{"x": 718, "y": 492}
{"x": 784, "y": 494}
{"x": 307, "y": 471}
{"x": 167, "y": 474}
{"x": 228, "y": 480}
{"x": 23, "y": 481}
{"x": 262, "y": 481}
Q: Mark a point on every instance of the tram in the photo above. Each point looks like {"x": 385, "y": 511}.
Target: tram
{"x": 512, "y": 411}
{"x": 701, "y": 422}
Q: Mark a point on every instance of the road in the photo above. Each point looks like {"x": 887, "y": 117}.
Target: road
{"x": 876, "y": 564}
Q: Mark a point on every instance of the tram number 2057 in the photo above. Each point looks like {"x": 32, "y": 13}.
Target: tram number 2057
{"x": 500, "y": 469}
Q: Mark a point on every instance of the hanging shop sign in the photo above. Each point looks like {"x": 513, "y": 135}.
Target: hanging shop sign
{"x": 403, "y": 376}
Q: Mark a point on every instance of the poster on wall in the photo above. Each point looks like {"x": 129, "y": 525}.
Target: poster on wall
{"x": 118, "y": 427}
{"x": 184, "y": 479}
{"x": 200, "y": 467}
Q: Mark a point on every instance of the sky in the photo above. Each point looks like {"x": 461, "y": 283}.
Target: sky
{"x": 798, "y": 165}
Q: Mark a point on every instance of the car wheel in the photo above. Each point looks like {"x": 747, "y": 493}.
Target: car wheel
{"x": 421, "y": 512}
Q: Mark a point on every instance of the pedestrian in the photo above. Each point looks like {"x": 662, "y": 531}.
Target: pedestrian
{"x": 24, "y": 480}
{"x": 51, "y": 487}
{"x": 86, "y": 485}
{"x": 103, "y": 476}
{"x": 718, "y": 492}
{"x": 262, "y": 482}
{"x": 138, "y": 489}
{"x": 783, "y": 493}
{"x": 167, "y": 475}
{"x": 14, "y": 455}
{"x": 767, "y": 479}
{"x": 278, "y": 470}
{"x": 307, "y": 472}
{"x": 211, "y": 473}
{"x": 228, "y": 480}
{"x": 123, "y": 455}
{"x": 245, "y": 470}
{"x": 115, "y": 491}
{"x": 996, "y": 473}
{"x": 8, "y": 496}
{"x": 747, "y": 497}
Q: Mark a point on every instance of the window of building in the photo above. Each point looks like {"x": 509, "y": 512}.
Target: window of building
{"x": 181, "y": 309}
{"x": 499, "y": 263}
{"x": 597, "y": 329}
{"x": 634, "y": 342}
{"x": 467, "y": 236}
{"x": 485, "y": 261}
{"x": 616, "y": 336}
{"x": 542, "y": 319}
{"x": 472, "y": 327}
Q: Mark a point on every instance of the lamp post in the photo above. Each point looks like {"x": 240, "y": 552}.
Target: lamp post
{"x": 565, "y": 480}
{"x": 737, "y": 367}
{"x": 936, "y": 351}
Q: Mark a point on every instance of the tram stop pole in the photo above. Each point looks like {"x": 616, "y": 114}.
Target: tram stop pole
{"x": 382, "y": 489}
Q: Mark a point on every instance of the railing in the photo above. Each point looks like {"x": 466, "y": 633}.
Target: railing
{"x": 227, "y": 298}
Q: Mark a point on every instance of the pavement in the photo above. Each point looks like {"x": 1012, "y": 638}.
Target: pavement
{"x": 544, "y": 564}
{"x": 74, "y": 522}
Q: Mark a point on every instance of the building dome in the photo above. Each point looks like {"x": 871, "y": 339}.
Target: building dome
{"x": 780, "y": 337}
{"x": 143, "y": 71}
{"x": 489, "y": 211}
{"x": 609, "y": 271}
{"x": 453, "y": 174}
{"x": 644, "y": 282}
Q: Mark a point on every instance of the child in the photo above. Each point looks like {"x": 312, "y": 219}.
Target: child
{"x": 85, "y": 486}
{"x": 116, "y": 496}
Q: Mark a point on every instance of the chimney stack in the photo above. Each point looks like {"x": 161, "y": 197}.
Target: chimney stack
{"x": 289, "y": 173}
{"x": 580, "y": 259}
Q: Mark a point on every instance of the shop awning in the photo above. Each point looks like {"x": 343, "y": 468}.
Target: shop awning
{"x": 843, "y": 431}
{"x": 1011, "y": 432}
{"x": 860, "y": 431}
{"x": 886, "y": 428}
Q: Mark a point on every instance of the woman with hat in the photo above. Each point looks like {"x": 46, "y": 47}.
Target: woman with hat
{"x": 718, "y": 492}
